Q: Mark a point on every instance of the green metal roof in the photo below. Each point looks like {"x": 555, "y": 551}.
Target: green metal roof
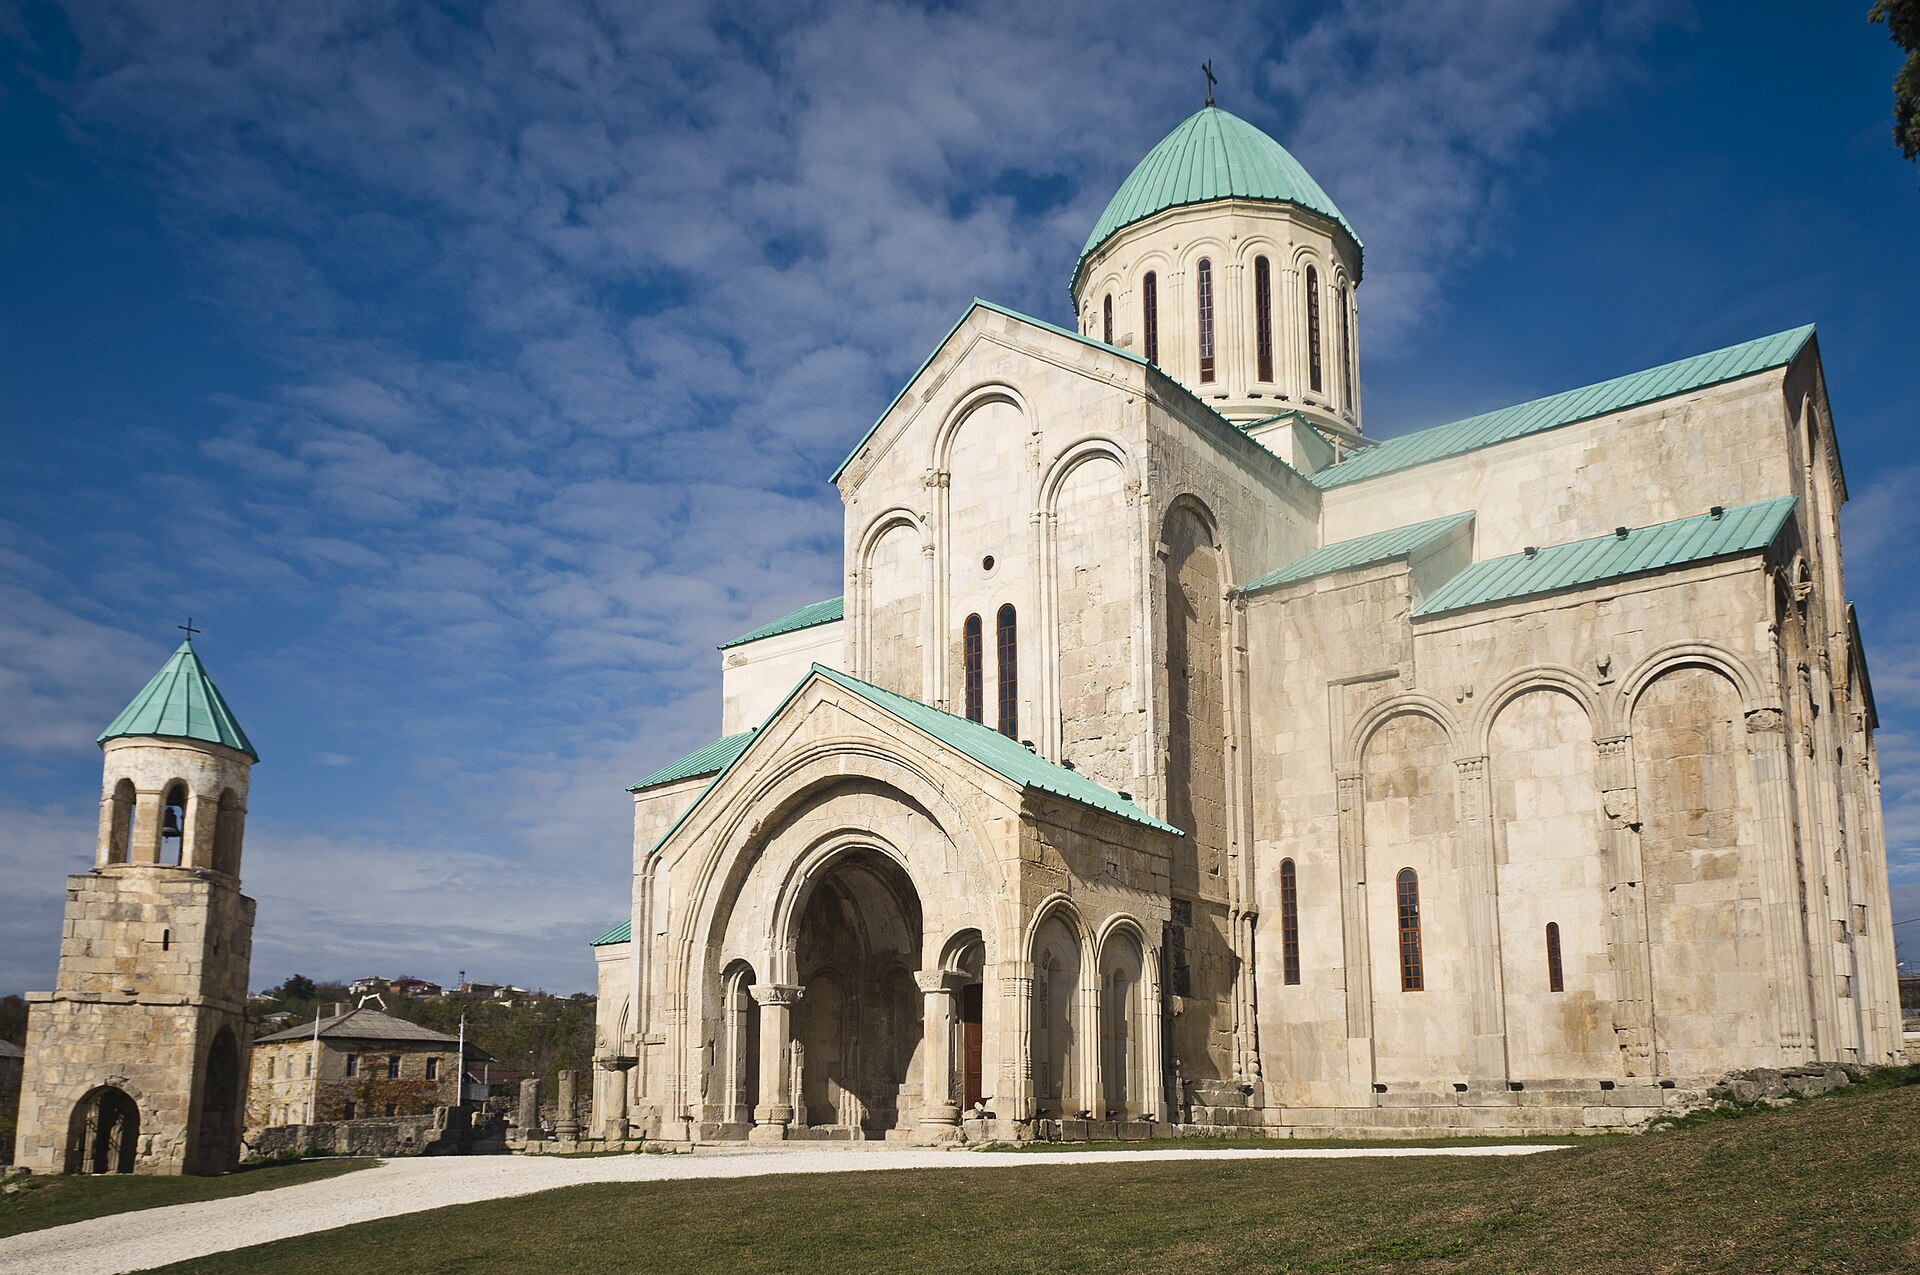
{"x": 621, "y": 933}
{"x": 711, "y": 760}
{"x": 1666, "y": 544}
{"x": 1212, "y": 155}
{"x": 181, "y": 702}
{"x": 1362, "y": 551}
{"x": 807, "y": 617}
{"x": 978, "y": 304}
{"x": 1007, "y": 758}
{"x": 1567, "y": 408}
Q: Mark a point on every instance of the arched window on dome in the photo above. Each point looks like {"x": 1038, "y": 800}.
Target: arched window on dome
{"x": 1150, "y": 317}
{"x": 1263, "y": 318}
{"x": 1203, "y": 290}
{"x": 1346, "y": 349}
{"x": 1006, "y": 642}
{"x": 970, "y": 659}
{"x": 1106, "y": 320}
{"x": 1313, "y": 329}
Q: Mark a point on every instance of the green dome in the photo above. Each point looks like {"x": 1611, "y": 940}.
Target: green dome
{"x": 181, "y": 702}
{"x": 1212, "y": 155}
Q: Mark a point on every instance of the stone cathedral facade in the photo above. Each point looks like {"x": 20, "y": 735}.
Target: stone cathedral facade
{"x": 1180, "y": 753}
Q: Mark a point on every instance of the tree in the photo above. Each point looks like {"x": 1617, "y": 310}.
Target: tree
{"x": 297, "y": 988}
{"x": 1902, "y": 19}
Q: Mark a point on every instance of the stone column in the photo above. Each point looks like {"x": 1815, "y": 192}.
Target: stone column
{"x": 566, "y": 1127}
{"x": 1779, "y": 883}
{"x": 614, "y": 1125}
{"x": 939, "y": 1119}
{"x": 1358, "y": 970}
{"x": 1488, "y": 1060}
{"x": 775, "y": 1111}
{"x": 530, "y": 1111}
{"x": 1629, "y": 951}
{"x": 1015, "y": 1099}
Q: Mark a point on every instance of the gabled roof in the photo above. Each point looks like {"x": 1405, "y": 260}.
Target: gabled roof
{"x": 1567, "y": 408}
{"x": 1212, "y": 154}
{"x": 1640, "y": 549}
{"x": 711, "y": 760}
{"x": 365, "y": 1024}
{"x": 1008, "y": 758}
{"x": 621, "y": 933}
{"x": 807, "y": 617}
{"x": 181, "y": 702}
{"x": 1005, "y": 757}
{"x": 1362, "y": 551}
{"x": 978, "y": 304}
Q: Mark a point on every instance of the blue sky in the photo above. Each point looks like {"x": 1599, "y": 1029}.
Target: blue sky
{"x": 468, "y": 372}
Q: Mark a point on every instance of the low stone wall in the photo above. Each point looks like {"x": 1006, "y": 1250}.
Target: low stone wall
{"x": 446, "y": 1132}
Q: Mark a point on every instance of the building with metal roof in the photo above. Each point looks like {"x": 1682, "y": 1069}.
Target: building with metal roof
{"x": 1185, "y": 750}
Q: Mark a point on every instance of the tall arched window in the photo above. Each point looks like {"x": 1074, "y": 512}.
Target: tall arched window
{"x": 1289, "y": 922}
{"x": 1106, "y": 320}
{"x": 1407, "y": 895}
{"x": 1203, "y": 289}
{"x": 1555, "y": 981}
{"x": 1263, "y": 317}
{"x": 1006, "y": 643}
{"x": 1346, "y": 349}
{"x": 1313, "y": 329}
{"x": 970, "y": 659}
{"x": 1150, "y": 317}
{"x": 120, "y": 830}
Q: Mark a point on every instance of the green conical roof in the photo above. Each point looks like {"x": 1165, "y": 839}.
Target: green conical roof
{"x": 1212, "y": 155}
{"x": 181, "y": 702}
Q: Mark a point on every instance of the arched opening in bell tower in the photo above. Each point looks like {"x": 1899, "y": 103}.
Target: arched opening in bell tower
{"x": 104, "y": 1132}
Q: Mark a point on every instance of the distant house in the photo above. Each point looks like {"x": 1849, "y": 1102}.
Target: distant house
{"x": 361, "y": 1064}
{"x": 413, "y": 987}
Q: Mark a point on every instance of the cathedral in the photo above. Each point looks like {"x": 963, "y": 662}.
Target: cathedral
{"x": 1181, "y": 755}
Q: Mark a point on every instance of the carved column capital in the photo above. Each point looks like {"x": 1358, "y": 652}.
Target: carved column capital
{"x": 777, "y": 993}
{"x": 940, "y": 982}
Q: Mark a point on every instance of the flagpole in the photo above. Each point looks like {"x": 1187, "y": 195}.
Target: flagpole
{"x": 313, "y": 1062}
{"x": 460, "y": 1065}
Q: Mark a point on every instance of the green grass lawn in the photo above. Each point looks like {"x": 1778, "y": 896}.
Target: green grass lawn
{"x": 1828, "y": 1185}
{"x": 40, "y": 1202}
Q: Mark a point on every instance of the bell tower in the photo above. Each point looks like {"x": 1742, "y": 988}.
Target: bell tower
{"x": 136, "y": 1061}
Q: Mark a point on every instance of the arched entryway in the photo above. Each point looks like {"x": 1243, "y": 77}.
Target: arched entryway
{"x": 857, "y": 1025}
{"x": 217, "y": 1145}
{"x": 1056, "y": 1007}
{"x": 103, "y": 1133}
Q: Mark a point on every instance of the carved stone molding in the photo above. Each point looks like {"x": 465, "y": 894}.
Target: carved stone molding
{"x": 1764, "y": 720}
{"x": 942, "y": 981}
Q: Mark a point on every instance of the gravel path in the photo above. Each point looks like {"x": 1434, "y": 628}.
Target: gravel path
{"x": 155, "y": 1237}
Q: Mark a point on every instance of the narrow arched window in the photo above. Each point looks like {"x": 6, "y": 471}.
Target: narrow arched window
{"x": 1006, "y": 643}
{"x": 173, "y": 825}
{"x": 1407, "y": 895}
{"x": 1263, "y": 317}
{"x": 1150, "y": 317}
{"x": 1289, "y": 922}
{"x": 1203, "y": 289}
{"x": 970, "y": 661}
{"x": 1313, "y": 329}
{"x": 1556, "y": 982}
{"x": 1106, "y": 320}
{"x": 166, "y": 940}
{"x": 1346, "y": 348}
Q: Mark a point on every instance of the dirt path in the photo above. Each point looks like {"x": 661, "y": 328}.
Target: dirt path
{"x": 155, "y": 1237}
